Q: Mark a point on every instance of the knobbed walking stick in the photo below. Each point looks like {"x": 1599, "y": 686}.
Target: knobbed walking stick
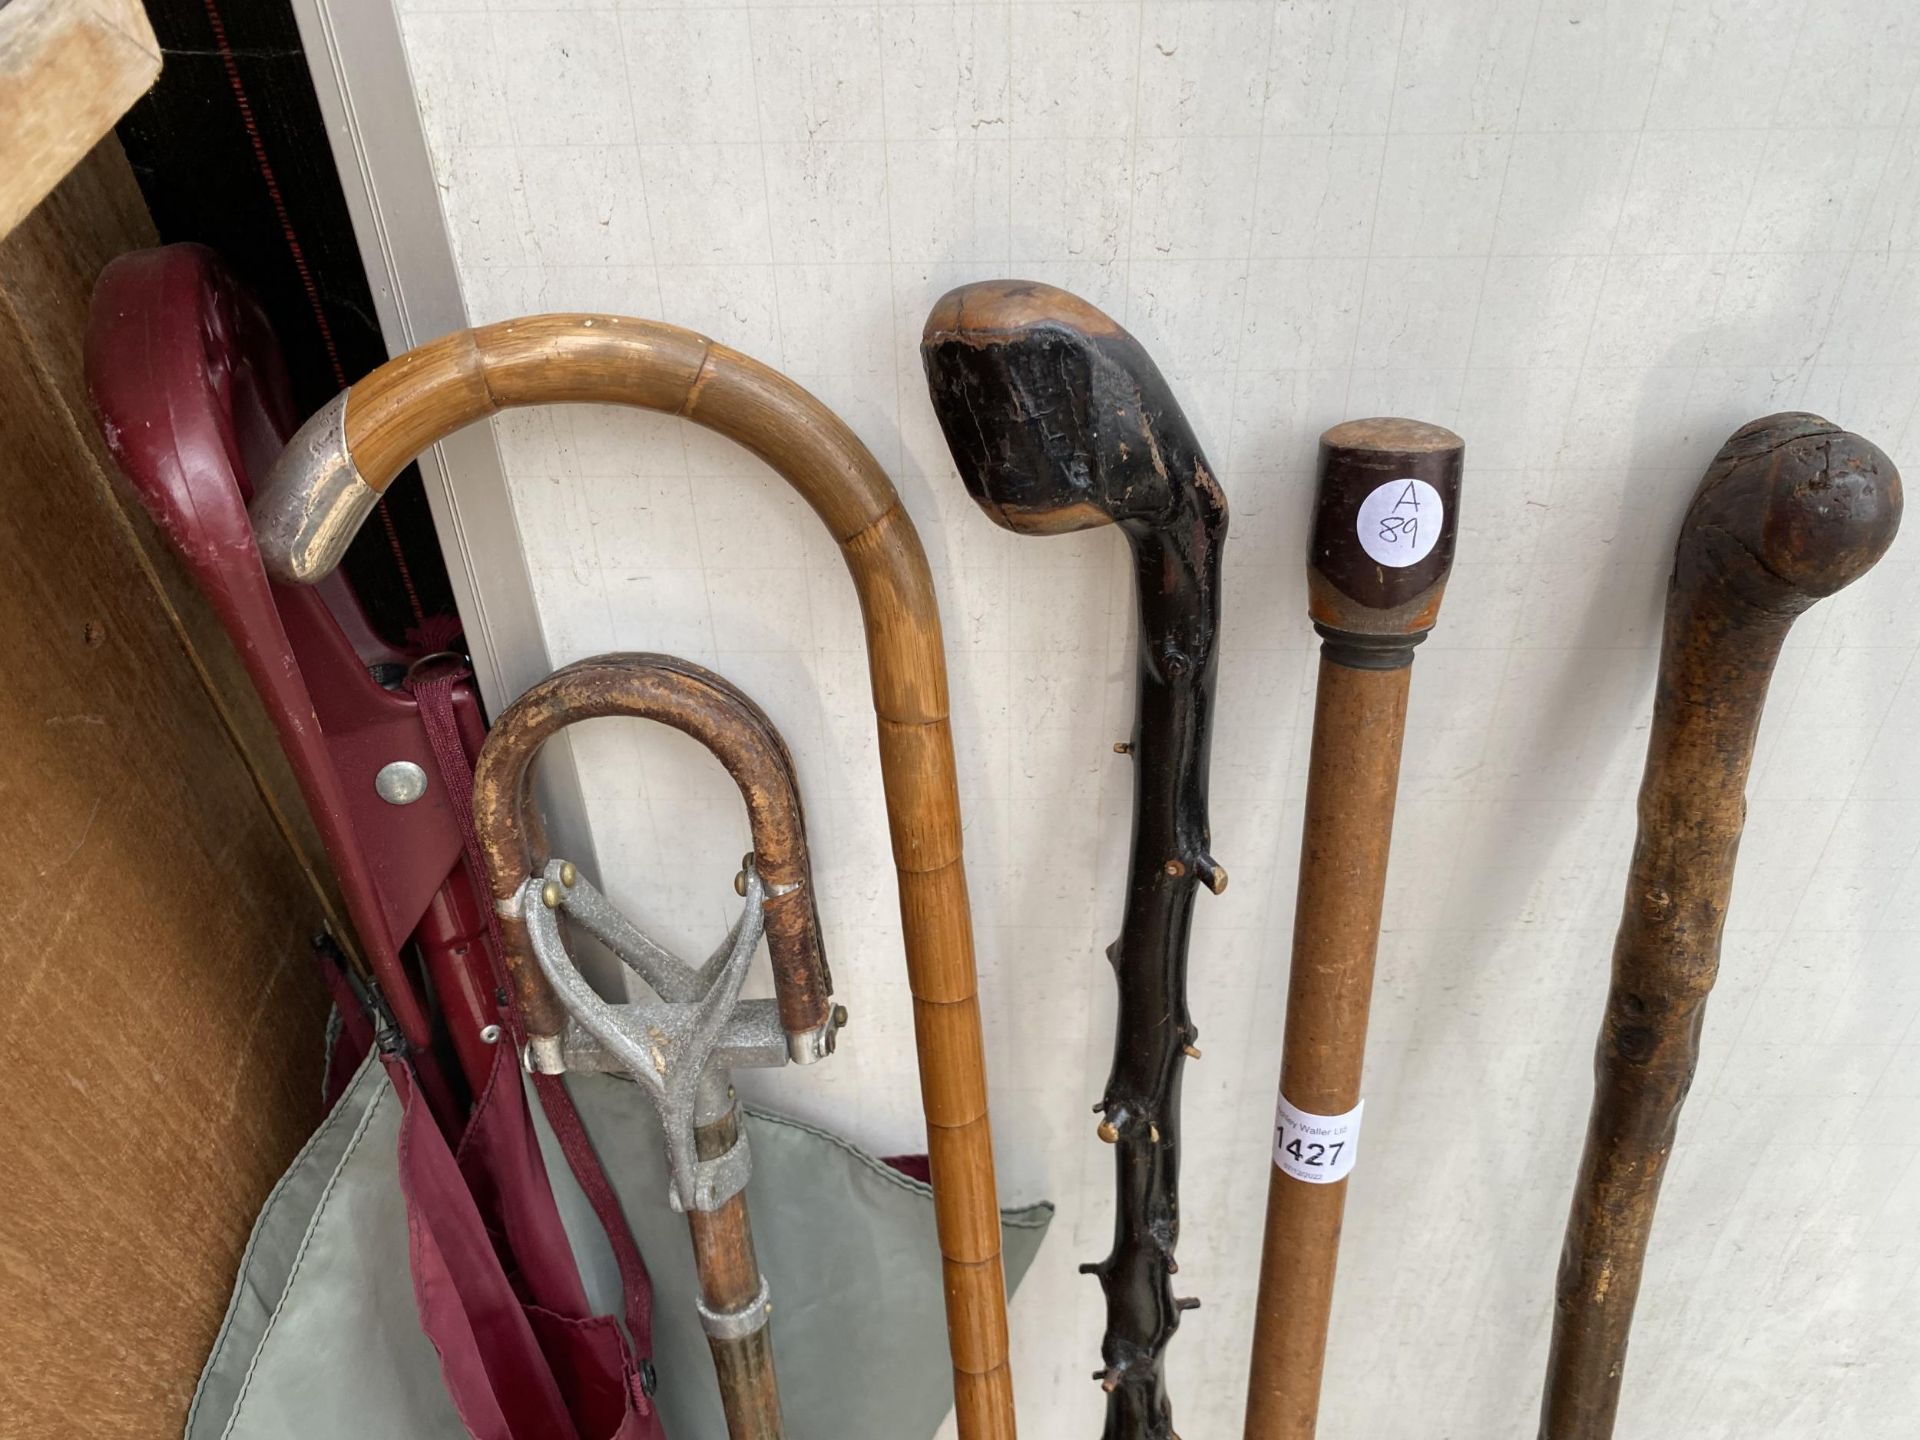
{"x": 1791, "y": 510}
{"x": 1058, "y": 421}
{"x": 332, "y": 475}
{"x": 1377, "y": 565}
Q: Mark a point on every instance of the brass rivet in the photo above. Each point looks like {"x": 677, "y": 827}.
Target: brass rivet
{"x": 1175, "y": 868}
{"x": 569, "y": 874}
{"x": 551, "y": 895}
{"x": 1108, "y": 1132}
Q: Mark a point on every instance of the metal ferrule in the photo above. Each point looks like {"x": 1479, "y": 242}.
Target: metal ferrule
{"x": 313, "y": 501}
{"x": 809, "y": 1047}
{"x": 545, "y": 1055}
{"x": 715, "y": 1181}
{"x": 1367, "y": 652}
{"x": 750, "y": 1319}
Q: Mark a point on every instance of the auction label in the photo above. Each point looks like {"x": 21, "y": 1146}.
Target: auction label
{"x": 1400, "y": 522}
{"x": 1318, "y": 1149}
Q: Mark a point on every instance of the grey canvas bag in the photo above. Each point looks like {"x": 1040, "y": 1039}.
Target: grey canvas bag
{"x": 322, "y": 1342}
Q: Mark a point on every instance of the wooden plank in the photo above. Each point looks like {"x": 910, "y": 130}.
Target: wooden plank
{"x": 68, "y": 70}
{"x": 163, "y": 1016}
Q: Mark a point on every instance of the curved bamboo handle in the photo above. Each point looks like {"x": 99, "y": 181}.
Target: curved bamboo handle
{"x": 331, "y": 476}
{"x": 1792, "y": 509}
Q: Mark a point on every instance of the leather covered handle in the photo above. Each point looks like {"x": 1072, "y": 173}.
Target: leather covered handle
{"x": 1384, "y": 521}
{"x": 330, "y": 477}
{"x": 738, "y": 733}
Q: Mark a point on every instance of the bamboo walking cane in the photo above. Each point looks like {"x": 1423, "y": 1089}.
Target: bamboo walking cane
{"x": 332, "y": 475}
{"x": 1058, "y": 420}
{"x": 1382, "y": 545}
{"x": 1791, "y": 510}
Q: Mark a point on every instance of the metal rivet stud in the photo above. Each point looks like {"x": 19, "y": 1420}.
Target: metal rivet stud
{"x": 400, "y": 782}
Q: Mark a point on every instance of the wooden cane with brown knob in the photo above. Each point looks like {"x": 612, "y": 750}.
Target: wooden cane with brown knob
{"x": 333, "y": 473}
{"x": 1382, "y": 545}
{"x": 1791, "y": 510}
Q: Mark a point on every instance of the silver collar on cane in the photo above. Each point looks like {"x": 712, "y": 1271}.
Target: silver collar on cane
{"x": 679, "y": 1049}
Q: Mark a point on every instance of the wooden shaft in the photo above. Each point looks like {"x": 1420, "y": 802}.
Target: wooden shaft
{"x": 1358, "y": 721}
{"x": 1790, "y": 510}
{"x": 1058, "y": 420}
{"x": 419, "y": 398}
{"x": 1385, "y": 517}
{"x": 730, "y": 1280}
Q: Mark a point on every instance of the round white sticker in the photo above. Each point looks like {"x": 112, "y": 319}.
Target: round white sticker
{"x": 1400, "y": 522}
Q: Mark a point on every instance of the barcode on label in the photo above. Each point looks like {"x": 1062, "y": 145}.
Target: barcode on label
{"x": 1318, "y": 1149}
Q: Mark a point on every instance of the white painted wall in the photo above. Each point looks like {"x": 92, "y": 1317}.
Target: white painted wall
{"x": 1593, "y": 237}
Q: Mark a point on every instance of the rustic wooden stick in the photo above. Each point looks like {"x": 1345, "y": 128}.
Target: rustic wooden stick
{"x": 333, "y": 474}
{"x": 1792, "y": 509}
{"x": 1058, "y": 421}
{"x": 1382, "y": 546}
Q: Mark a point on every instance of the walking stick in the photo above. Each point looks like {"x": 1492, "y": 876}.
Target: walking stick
{"x": 1792, "y": 509}
{"x": 1059, "y": 421}
{"x": 1382, "y": 545}
{"x": 680, "y": 1051}
{"x": 333, "y": 473}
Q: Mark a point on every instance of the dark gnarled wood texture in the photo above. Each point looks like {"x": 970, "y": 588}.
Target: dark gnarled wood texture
{"x": 1792, "y": 509}
{"x": 1059, "y": 421}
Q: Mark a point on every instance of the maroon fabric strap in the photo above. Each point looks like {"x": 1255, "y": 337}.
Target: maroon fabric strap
{"x": 497, "y": 1373}
{"x": 433, "y": 691}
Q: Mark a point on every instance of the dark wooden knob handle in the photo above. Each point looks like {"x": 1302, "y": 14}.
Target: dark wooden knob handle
{"x": 1057, "y": 418}
{"x": 1385, "y": 516}
{"x": 1793, "y": 508}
